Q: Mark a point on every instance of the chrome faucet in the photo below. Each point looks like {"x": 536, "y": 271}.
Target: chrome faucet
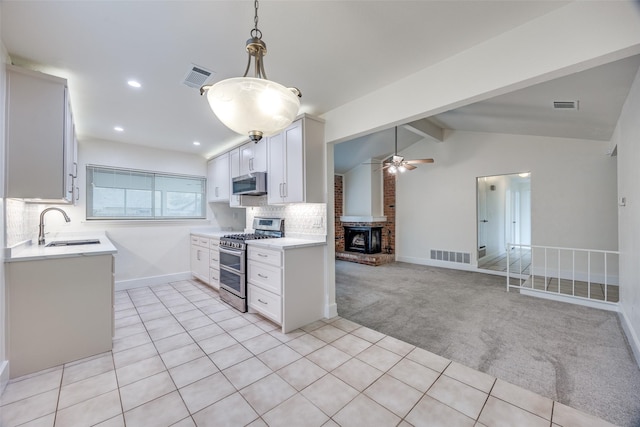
{"x": 41, "y": 226}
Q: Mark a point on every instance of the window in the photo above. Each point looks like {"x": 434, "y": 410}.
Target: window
{"x": 132, "y": 194}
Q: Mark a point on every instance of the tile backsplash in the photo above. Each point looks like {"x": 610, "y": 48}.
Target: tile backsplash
{"x": 299, "y": 218}
{"x": 22, "y": 221}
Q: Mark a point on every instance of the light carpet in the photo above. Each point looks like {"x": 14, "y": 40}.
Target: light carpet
{"x": 576, "y": 355}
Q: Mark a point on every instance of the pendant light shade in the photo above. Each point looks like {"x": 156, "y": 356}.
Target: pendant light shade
{"x": 254, "y": 106}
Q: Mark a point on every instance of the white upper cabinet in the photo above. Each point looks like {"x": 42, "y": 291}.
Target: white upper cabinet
{"x": 253, "y": 157}
{"x": 218, "y": 179}
{"x": 296, "y": 163}
{"x": 234, "y": 170}
{"x": 41, "y": 159}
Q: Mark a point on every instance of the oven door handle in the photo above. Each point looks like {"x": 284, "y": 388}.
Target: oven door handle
{"x": 231, "y": 251}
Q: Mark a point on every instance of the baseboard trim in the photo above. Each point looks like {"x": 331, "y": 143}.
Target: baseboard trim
{"x": 122, "y": 285}
{"x": 330, "y": 310}
{"x": 4, "y": 375}
{"x": 632, "y": 336}
{"x": 609, "y": 306}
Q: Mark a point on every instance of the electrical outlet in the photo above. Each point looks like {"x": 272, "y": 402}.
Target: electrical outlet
{"x": 317, "y": 222}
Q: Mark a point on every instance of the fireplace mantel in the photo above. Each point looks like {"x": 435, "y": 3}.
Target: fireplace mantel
{"x": 363, "y": 218}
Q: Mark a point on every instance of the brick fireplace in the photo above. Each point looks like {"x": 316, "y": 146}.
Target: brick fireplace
{"x": 387, "y": 229}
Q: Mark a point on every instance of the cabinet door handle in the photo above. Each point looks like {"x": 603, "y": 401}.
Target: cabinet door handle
{"x": 281, "y": 192}
{"x": 284, "y": 188}
{"x": 77, "y": 193}
{"x": 251, "y": 164}
{"x": 198, "y": 254}
{"x": 216, "y": 192}
{"x": 263, "y": 255}
{"x": 263, "y": 276}
{"x": 75, "y": 173}
{"x": 263, "y": 302}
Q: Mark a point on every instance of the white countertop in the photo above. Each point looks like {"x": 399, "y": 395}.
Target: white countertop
{"x": 31, "y": 251}
{"x": 284, "y": 243}
{"x": 211, "y": 232}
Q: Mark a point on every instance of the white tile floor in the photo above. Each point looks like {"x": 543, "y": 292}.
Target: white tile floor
{"x": 182, "y": 358}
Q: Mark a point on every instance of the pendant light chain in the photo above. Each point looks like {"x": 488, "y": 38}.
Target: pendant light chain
{"x": 239, "y": 103}
{"x": 256, "y": 33}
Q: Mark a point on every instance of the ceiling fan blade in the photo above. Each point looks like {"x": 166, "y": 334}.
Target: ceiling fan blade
{"x": 409, "y": 167}
{"x": 418, "y": 161}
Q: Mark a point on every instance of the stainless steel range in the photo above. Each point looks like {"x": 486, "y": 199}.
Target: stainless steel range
{"x": 233, "y": 259}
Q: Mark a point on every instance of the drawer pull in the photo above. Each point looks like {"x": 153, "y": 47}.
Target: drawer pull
{"x": 263, "y": 255}
{"x": 263, "y": 302}
{"x": 263, "y": 276}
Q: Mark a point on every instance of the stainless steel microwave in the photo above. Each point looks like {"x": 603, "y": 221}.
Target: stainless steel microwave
{"x": 253, "y": 184}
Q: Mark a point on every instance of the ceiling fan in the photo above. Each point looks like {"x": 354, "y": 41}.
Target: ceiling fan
{"x": 398, "y": 163}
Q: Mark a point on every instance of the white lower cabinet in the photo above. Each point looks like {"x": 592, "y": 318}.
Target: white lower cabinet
{"x": 54, "y": 316}
{"x": 214, "y": 264}
{"x": 205, "y": 260}
{"x": 286, "y": 285}
{"x": 200, "y": 258}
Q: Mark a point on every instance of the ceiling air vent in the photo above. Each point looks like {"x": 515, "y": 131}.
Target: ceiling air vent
{"x": 197, "y": 76}
{"x": 565, "y": 105}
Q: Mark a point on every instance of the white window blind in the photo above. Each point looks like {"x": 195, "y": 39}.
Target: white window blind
{"x": 114, "y": 193}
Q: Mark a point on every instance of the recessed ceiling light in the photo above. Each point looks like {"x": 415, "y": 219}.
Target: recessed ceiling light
{"x": 196, "y": 143}
{"x": 118, "y": 129}
{"x": 134, "y": 83}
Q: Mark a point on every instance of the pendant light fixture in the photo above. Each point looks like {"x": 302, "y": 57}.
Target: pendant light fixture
{"x": 254, "y": 106}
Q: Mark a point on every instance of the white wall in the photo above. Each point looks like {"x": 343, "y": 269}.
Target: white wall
{"x": 573, "y": 192}
{"x": 148, "y": 251}
{"x": 627, "y": 138}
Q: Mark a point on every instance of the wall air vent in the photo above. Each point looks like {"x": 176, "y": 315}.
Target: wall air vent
{"x": 197, "y": 76}
{"x": 461, "y": 257}
{"x": 565, "y": 105}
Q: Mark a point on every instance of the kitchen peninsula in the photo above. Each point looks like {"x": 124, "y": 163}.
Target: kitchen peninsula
{"x": 59, "y": 302}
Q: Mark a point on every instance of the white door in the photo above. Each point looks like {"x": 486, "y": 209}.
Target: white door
{"x": 234, "y": 170}
{"x": 294, "y": 166}
{"x": 482, "y": 217}
{"x": 275, "y": 177}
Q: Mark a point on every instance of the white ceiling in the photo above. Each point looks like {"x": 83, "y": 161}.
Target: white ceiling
{"x": 334, "y": 51}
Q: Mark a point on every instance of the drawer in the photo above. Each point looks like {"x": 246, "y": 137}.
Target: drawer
{"x": 214, "y": 257}
{"x": 266, "y": 276}
{"x": 268, "y": 256}
{"x": 214, "y": 278}
{"x": 214, "y": 243}
{"x": 203, "y": 242}
{"x": 265, "y": 303}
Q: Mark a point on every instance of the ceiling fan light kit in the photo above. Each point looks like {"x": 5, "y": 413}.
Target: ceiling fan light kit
{"x": 398, "y": 164}
{"x": 253, "y": 106}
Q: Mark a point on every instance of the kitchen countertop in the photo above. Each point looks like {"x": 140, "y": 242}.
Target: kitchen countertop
{"x": 31, "y": 251}
{"x": 211, "y": 232}
{"x": 284, "y": 243}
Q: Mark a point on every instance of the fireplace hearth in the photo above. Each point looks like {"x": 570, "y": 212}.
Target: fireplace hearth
{"x": 366, "y": 240}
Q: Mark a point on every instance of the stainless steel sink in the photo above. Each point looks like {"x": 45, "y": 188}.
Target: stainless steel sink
{"x": 74, "y": 242}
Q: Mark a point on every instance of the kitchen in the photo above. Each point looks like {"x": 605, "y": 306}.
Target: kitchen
{"x": 152, "y": 251}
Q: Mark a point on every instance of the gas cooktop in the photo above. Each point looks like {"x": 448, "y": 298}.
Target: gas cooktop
{"x": 265, "y": 228}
